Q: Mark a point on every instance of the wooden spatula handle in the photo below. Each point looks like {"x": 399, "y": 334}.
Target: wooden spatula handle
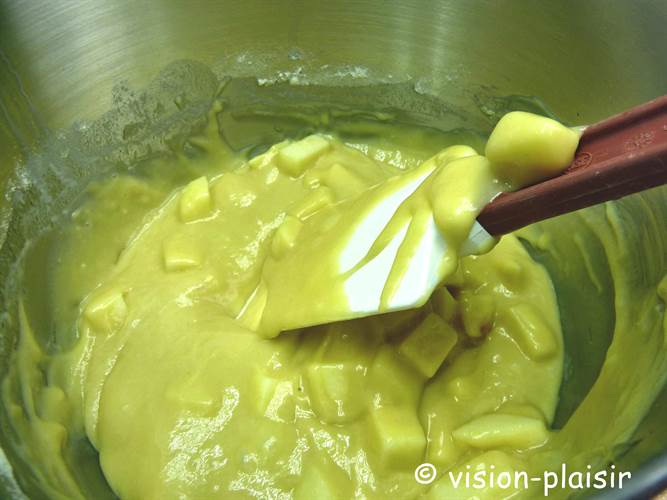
{"x": 621, "y": 155}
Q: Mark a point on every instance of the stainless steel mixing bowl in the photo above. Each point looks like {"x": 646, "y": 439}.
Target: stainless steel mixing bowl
{"x": 61, "y": 63}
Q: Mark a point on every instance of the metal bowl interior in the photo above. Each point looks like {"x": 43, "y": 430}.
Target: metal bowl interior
{"x": 64, "y": 65}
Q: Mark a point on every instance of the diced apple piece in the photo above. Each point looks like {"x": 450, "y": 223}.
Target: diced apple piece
{"x": 444, "y": 304}
{"x": 498, "y": 430}
{"x": 525, "y": 148}
{"x": 343, "y": 181}
{"x": 393, "y": 381}
{"x": 285, "y": 236}
{"x": 336, "y": 391}
{"x": 454, "y": 153}
{"x": 478, "y": 313}
{"x": 195, "y": 202}
{"x": 429, "y": 344}
{"x": 397, "y": 436}
{"x": 180, "y": 254}
{"x": 294, "y": 158}
{"x": 533, "y": 334}
{"x": 106, "y": 313}
{"x": 314, "y": 201}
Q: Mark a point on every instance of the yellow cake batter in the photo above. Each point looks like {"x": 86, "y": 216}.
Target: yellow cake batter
{"x": 182, "y": 399}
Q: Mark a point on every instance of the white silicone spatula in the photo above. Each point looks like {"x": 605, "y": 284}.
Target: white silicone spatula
{"x": 616, "y": 157}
